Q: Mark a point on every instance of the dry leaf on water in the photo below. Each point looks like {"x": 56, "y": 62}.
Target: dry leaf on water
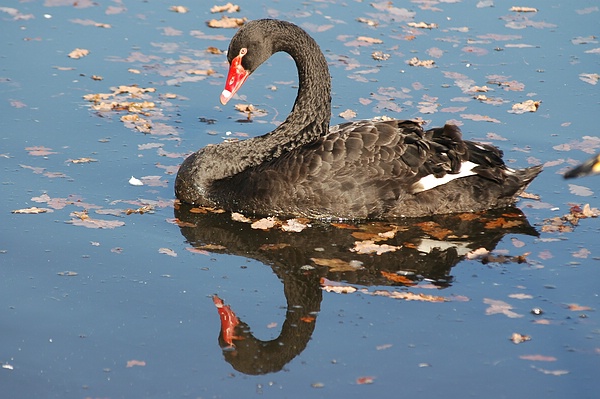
{"x": 227, "y": 22}
{"x": 369, "y": 247}
{"x": 78, "y": 53}
{"x": 591, "y": 78}
{"x": 133, "y": 363}
{"x": 525, "y": 106}
{"x": 578, "y": 308}
{"x": 517, "y": 338}
{"x": 67, "y": 273}
{"x": 336, "y": 265}
{"x": 167, "y": 251}
{"x": 365, "y": 380}
{"x": 370, "y": 22}
{"x": 34, "y": 210}
{"x": 367, "y": 39}
{"x": 421, "y": 63}
{"x": 348, "y": 114}
{"x": 82, "y": 160}
{"x": 500, "y": 307}
{"x": 422, "y": 25}
{"x": 95, "y": 223}
{"x": 397, "y": 278}
{"x": 380, "y": 56}
{"x": 229, "y": 7}
{"x": 523, "y": 9}
{"x": 179, "y": 9}
{"x": 552, "y": 372}
{"x": 581, "y": 191}
{"x": 538, "y": 358}
{"x": 338, "y": 288}
{"x": 407, "y": 296}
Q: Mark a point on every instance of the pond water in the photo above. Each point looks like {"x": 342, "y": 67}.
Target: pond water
{"x": 103, "y": 302}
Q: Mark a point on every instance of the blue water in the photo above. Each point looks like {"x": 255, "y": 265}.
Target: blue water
{"x": 73, "y": 336}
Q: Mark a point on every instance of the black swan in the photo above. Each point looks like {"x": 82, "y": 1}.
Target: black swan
{"x": 356, "y": 170}
{"x": 589, "y": 167}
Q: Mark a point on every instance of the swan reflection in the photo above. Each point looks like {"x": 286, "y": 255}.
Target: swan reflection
{"x": 425, "y": 251}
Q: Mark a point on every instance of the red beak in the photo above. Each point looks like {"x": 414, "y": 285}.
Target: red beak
{"x": 235, "y": 79}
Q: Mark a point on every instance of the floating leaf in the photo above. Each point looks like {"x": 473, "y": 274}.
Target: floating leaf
{"x": 421, "y": 63}
{"x": 167, "y": 251}
{"x": 265, "y": 223}
{"x": 227, "y": 22}
{"x": 365, "y": 380}
{"x": 229, "y": 7}
{"x": 523, "y": 9}
{"x": 338, "y": 265}
{"x": 499, "y": 307}
{"x": 134, "y": 363}
{"x": 422, "y": 25}
{"x": 581, "y": 191}
{"x": 369, "y": 247}
{"x": 34, "y": 210}
{"x": 525, "y": 106}
{"x": 338, "y": 288}
{"x": 67, "y": 274}
{"x": 179, "y": 9}
{"x": 78, "y": 53}
{"x": 517, "y": 338}
{"x": 348, "y": 114}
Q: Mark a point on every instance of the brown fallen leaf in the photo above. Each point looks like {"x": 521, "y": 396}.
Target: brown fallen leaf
{"x": 369, "y": 247}
{"x": 370, "y": 22}
{"x": 380, "y": 56}
{"x": 167, "y": 251}
{"x": 591, "y": 78}
{"x": 347, "y": 114}
{"x": 407, "y": 296}
{"x": 435, "y": 230}
{"x": 578, "y": 308}
{"x": 499, "y": 307}
{"x": 422, "y": 25}
{"x": 336, "y": 265}
{"x": 581, "y": 191}
{"x": 421, "y": 63}
{"x": 229, "y": 7}
{"x": 226, "y": 22}
{"x": 179, "y": 9}
{"x": 523, "y": 9}
{"x": 365, "y": 380}
{"x": 293, "y": 226}
{"x": 517, "y": 338}
{"x": 367, "y": 39}
{"x": 34, "y": 210}
{"x": 397, "y": 278}
{"x": 82, "y": 160}
{"x": 78, "y": 53}
{"x": 67, "y": 273}
{"x": 525, "y": 106}
{"x": 538, "y": 358}
{"x": 265, "y": 223}
{"x": 95, "y": 223}
{"x": 334, "y": 286}
{"x": 133, "y": 363}
{"x": 479, "y": 118}
{"x": 557, "y": 373}
{"x": 40, "y": 151}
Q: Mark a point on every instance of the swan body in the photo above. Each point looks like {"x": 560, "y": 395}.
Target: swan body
{"x": 355, "y": 170}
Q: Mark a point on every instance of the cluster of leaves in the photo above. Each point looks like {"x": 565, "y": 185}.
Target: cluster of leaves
{"x": 569, "y": 221}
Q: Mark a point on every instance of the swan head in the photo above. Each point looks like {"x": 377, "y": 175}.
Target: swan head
{"x": 252, "y": 45}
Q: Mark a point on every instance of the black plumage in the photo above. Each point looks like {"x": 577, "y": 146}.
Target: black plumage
{"x": 363, "y": 169}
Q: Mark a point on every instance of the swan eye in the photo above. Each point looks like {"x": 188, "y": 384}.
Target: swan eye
{"x": 243, "y": 51}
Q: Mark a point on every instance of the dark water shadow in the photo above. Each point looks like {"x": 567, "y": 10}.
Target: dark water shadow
{"x": 427, "y": 249}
